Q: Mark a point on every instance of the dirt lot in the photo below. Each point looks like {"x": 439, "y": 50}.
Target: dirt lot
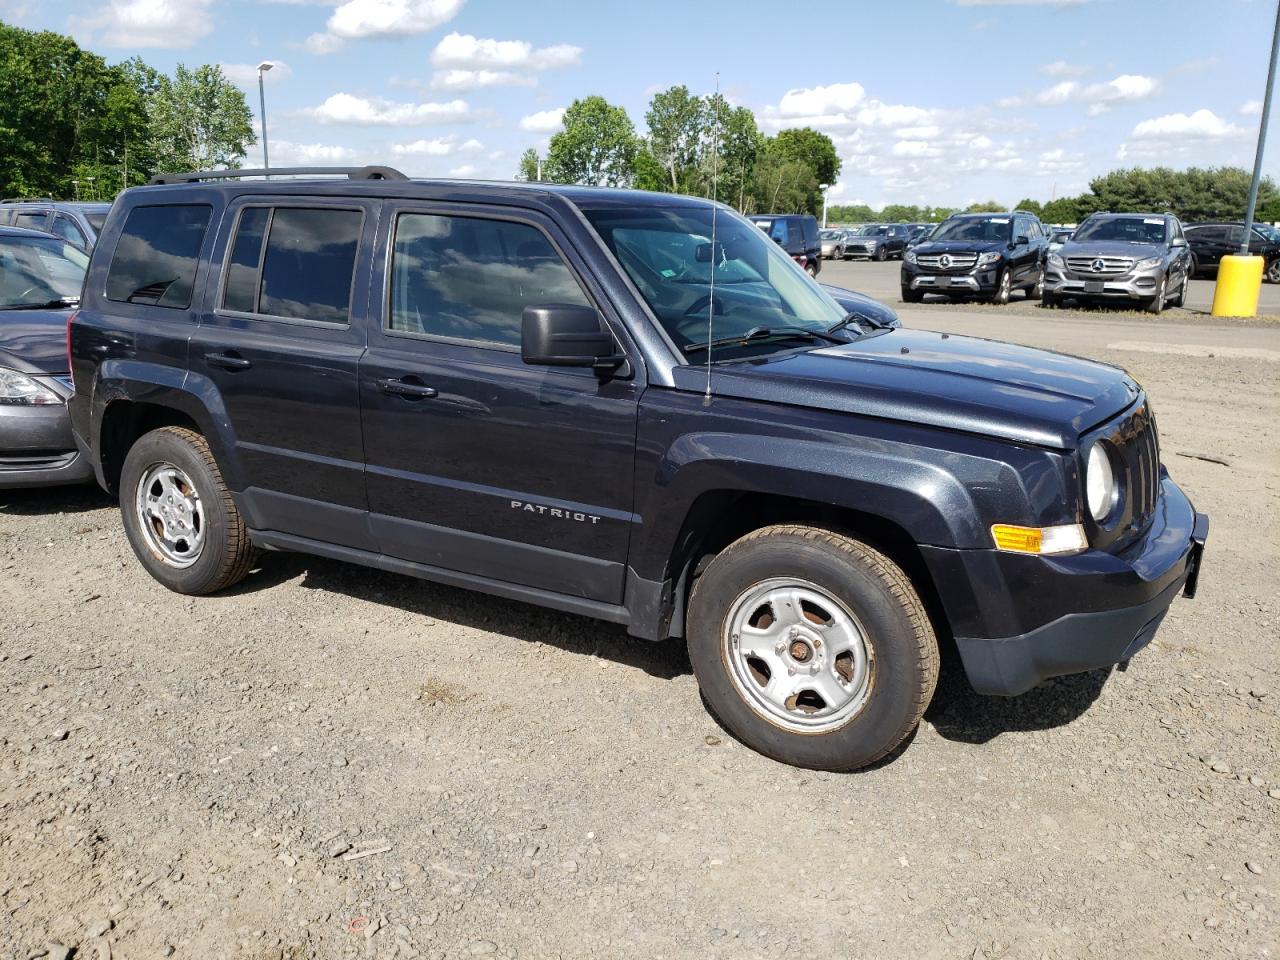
{"x": 333, "y": 762}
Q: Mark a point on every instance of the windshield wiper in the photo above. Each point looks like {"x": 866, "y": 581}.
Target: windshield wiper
{"x": 47, "y": 305}
{"x": 756, "y": 334}
{"x": 851, "y": 317}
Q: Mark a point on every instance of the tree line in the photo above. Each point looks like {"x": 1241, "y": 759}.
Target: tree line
{"x": 72, "y": 124}
{"x": 692, "y": 141}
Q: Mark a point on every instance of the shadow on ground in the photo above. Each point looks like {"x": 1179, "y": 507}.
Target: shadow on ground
{"x": 51, "y": 500}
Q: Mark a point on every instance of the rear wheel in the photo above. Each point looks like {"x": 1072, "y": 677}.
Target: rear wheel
{"x": 179, "y": 516}
{"x": 811, "y": 268}
{"x": 811, "y": 647}
{"x": 1273, "y": 271}
{"x": 882, "y": 254}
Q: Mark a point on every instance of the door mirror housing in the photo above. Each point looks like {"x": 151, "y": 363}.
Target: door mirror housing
{"x": 1178, "y": 242}
{"x": 567, "y": 335}
{"x": 1021, "y": 240}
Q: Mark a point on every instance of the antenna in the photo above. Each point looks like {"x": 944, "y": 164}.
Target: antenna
{"x": 715, "y": 177}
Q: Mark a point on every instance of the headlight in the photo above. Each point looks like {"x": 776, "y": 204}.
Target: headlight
{"x": 1148, "y": 264}
{"x": 1100, "y": 482}
{"x": 986, "y": 259}
{"x": 1056, "y": 261}
{"x": 909, "y": 256}
{"x": 17, "y": 389}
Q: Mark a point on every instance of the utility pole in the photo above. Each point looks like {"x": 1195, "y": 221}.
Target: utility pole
{"x": 263, "y": 67}
{"x": 1262, "y": 139}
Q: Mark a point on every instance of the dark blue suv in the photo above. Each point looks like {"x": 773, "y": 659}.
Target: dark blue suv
{"x": 630, "y": 406}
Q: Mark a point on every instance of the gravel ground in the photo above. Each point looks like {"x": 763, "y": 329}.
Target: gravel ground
{"x": 332, "y": 762}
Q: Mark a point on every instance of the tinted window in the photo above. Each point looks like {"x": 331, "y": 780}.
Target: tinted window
{"x": 309, "y": 262}
{"x": 32, "y": 220}
{"x": 96, "y": 220}
{"x": 68, "y": 231}
{"x": 975, "y": 229}
{"x": 471, "y": 279}
{"x": 1123, "y": 229}
{"x": 241, "y": 289}
{"x": 156, "y": 258}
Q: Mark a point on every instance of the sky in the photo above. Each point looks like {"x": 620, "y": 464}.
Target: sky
{"x": 942, "y": 102}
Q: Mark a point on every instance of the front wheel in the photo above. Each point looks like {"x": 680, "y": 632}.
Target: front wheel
{"x": 1036, "y": 292}
{"x": 881, "y": 255}
{"x": 1273, "y": 271}
{"x": 911, "y": 296}
{"x": 1003, "y": 288}
{"x": 1156, "y": 303}
{"x": 179, "y": 516}
{"x": 811, "y": 647}
{"x": 811, "y": 268}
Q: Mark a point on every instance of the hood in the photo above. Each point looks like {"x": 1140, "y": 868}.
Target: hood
{"x": 956, "y": 383}
{"x": 860, "y": 303}
{"x": 959, "y": 246}
{"x": 1112, "y": 248}
{"x": 34, "y": 341}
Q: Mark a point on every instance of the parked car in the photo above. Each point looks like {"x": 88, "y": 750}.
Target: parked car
{"x": 76, "y": 223}
{"x": 1136, "y": 258}
{"x": 918, "y": 232}
{"x": 1210, "y": 242}
{"x": 833, "y": 242}
{"x": 1057, "y": 237}
{"x": 798, "y": 235}
{"x": 40, "y": 280}
{"x": 573, "y": 396}
{"x": 864, "y": 309}
{"x": 877, "y": 241}
{"x": 986, "y": 255}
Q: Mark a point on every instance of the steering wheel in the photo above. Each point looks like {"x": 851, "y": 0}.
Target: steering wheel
{"x": 700, "y": 305}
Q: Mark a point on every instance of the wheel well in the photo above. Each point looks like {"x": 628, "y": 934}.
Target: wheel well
{"x": 123, "y": 422}
{"x": 718, "y": 518}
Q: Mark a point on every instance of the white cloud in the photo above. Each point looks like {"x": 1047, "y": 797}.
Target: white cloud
{"x": 285, "y": 153}
{"x": 818, "y": 101}
{"x": 438, "y": 147}
{"x": 1126, "y": 88}
{"x": 1251, "y": 108}
{"x": 246, "y": 74}
{"x": 365, "y": 19}
{"x": 464, "y": 171}
{"x": 1060, "y": 161}
{"x": 465, "y": 52}
{"x": 148, "y": 23}
{"x": 1061, "y": 68}
{"x": 345, "y": 108}
{"x": 1059, "y": 93}
{"x": 545, "y": 121}
{"x": 461, "y": 81}
{"x": 1202, "y": 125}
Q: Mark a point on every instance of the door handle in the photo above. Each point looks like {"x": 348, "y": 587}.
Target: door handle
{"x": 402, "y": 388}
{"x": 228, "y": 361}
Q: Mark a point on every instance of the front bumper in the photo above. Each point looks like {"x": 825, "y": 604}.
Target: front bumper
{"x": 38, "y": 449}
{"x": 1132, "y": 286}
{"x": 978, "y": 280}
{"x": 1021, "y": 619}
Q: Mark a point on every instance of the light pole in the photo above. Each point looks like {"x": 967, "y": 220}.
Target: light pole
{"x": 93, "y": 191}
{"x": 75, "y": 184}
{"x": 263, "y": 67}
{"x": 1262, "y": 139}
{"x": 823, "y": 187}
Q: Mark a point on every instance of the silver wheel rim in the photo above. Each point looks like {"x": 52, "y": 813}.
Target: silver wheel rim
{"x": 170, "y": 515}
{"x": 797, "y": 655}
{"x": 1004, "y": 285}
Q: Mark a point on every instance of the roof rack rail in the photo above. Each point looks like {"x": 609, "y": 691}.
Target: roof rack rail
{"x": 352, "y": 173}
{"x": 28, "y": 200}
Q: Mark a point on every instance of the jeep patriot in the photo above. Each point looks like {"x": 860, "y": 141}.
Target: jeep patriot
{"x": 630, "y": 406}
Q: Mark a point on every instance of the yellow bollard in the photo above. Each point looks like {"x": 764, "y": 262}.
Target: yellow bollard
{"x": 1239, "y": 285}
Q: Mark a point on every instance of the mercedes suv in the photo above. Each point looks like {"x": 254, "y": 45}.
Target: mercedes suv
{"x": 984, "y": 255}
{"x": 1136, "y": 259}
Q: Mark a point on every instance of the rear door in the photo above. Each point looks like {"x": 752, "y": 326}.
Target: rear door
{"x": 476, "y": 461}
{"x": 278, "y": 346}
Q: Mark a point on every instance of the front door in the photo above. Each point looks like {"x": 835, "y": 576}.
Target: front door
{"x": 279, "y": 341}
{"x": 477, "y": 462}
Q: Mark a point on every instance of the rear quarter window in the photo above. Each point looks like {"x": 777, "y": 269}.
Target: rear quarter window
{"x": 156, "y": 258}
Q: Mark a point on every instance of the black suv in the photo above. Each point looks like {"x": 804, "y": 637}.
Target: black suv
{"x": 1210, "y": 242}
{"x": 986, "y": 255}
{"x": 573, "y": 396}
{"x": 77, "y": 223}
{"x": 797, "y": 234}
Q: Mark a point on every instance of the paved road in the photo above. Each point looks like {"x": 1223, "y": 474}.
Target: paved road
{"x": 881, "y": 280}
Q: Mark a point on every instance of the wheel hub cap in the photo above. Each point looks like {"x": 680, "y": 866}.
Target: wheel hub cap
{"x": 170, "y": 515}
{"x": 797, "y": 655}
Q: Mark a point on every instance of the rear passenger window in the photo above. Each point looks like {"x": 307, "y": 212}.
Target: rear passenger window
{"x": 156, "y": 257}
{"x": 309, "y": 263}
{"x": 468, "y": 278}
{"x": 31, "y": 221}
{"x": 240, "y": 292}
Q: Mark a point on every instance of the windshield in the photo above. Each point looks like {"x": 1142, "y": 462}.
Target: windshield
{"x": 39, "y": 270}
{"x": 1268, "y": 232}
{"x": 974, "y": 230}
{"x": 1122, "y": 230}
{"x": 667, "y": 253}
{"x": 830, "y": 234}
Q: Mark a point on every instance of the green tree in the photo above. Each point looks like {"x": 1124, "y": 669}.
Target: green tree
{"x": 1068, "y": 209}
{"x": 676, "y": 120}
{"x": 649, "y": 173}
{"x": 986, "y": 206}
{"x": 597, "y": 145}
{"x": 850, "y": 213}
{"x": 782, "y": 186}
{"x": 529, "y": 162}
{"x": 810, "y": 147}
{"x": 199, "y": 120}
{"x": 1029, "y": 205}
{"x": 736, "y": 140}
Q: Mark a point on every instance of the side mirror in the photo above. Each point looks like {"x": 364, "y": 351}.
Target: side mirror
{"x": 1020, "y": 241}
{"x": 778, "y": 241}
{"x": 1178, "y": 242}
{"x": 566, "y": 335}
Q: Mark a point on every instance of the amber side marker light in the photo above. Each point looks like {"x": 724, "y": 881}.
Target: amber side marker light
{"x": 1068, "y": 538}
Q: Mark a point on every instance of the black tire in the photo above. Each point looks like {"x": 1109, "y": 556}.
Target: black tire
{"x": 227, "y": 554}
{"x": 1273, "y": 271}
{"x": 1003, "y": 288}
{"x": 1181, "y": 298}
{"x": 1036, "y": 290}
{"x": 1193, "y": 267}
{"x": 881, "y": 255}
{"x": 911, "y": 296}
{"x": 811, "y": 268}
{"x": 902, "y": 663}
{"x": 1048, "y": 301}
{"x": 1156, "y": 303}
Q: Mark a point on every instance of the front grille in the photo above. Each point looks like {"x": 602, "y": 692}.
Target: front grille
{"x": 947, "y": 261}
{"x": 1142, "y": 457}
{"x": 1100, "y": 266}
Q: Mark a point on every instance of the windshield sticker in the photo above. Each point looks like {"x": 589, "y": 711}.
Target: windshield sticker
{"x": 999, "y": 220}
{"x": 668, "y": 273}
{"x": 1155, "y": 220}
